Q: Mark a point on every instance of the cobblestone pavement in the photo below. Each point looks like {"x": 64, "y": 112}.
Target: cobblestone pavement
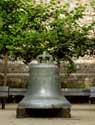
{"x": 83, "y": 114}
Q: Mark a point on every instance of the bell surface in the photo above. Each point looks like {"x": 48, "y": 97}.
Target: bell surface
{"x": 44, "y": 89}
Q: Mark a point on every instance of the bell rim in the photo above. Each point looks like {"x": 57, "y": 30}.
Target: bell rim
{"x": 45, "y": 103}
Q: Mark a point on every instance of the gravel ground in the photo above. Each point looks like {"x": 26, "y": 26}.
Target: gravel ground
{"x": 81, "y": 115}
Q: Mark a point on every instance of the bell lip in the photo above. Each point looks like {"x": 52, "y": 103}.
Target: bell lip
{"x": 63, "y": 106}
{"x": 45, "y": 104}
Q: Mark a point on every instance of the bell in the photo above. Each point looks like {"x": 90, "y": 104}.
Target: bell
{"x": 44, "y": 91}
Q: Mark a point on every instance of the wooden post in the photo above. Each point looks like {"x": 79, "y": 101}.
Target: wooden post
{"x": 3, "y": 102}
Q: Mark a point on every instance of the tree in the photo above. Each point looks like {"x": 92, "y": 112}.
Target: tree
{"x": 27, "y": 28}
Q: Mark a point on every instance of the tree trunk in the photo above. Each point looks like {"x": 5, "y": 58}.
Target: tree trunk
{"x": 5, "y": 63}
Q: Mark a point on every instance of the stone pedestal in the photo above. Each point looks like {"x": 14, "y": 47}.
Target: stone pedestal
{"x": 24, "y": 113}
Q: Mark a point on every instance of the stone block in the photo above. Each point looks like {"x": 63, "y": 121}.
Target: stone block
{"x": 24, "y": 113}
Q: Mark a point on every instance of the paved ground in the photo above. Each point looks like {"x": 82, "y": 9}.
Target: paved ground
{"x": 81, "y": 115}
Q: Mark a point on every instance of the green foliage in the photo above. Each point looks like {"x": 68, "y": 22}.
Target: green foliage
{"x": 74, "y": 85}
{"x": 28, "y": 28}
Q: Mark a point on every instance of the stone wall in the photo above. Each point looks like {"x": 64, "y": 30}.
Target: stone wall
{"x": 17, "y": 74}
{"x": 84, "y": 76}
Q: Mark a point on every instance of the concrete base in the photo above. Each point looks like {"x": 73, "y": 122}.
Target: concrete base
{"x": 24, "y": 113}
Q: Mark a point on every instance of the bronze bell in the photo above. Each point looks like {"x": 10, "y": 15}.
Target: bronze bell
{"x": 44, "y": 91}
